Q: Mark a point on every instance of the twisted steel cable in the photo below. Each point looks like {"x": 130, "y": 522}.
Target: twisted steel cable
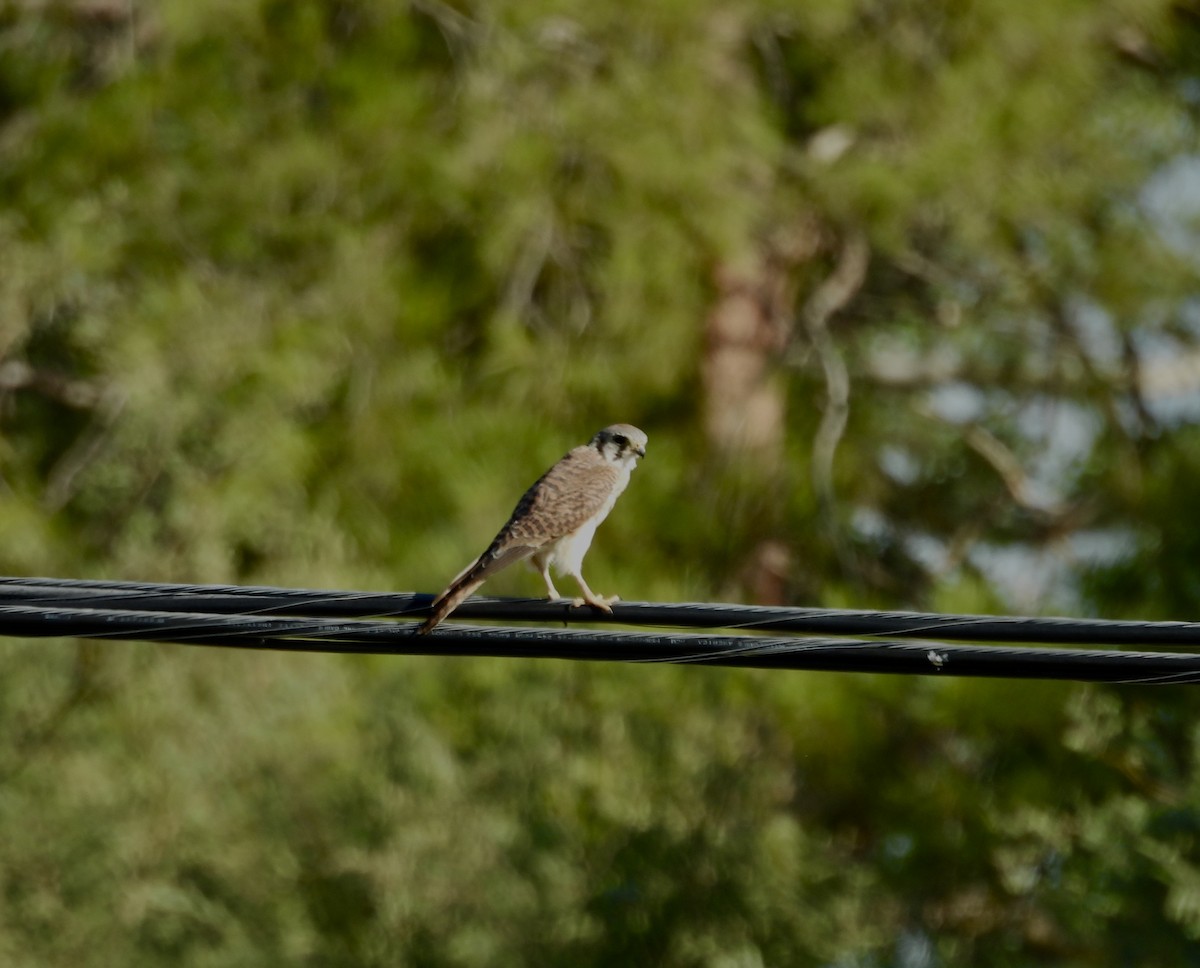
{"x": 309, "y": 620}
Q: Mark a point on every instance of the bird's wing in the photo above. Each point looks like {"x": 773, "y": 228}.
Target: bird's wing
{"x": 487, "y": 564}
{"x": 561, "y": 501}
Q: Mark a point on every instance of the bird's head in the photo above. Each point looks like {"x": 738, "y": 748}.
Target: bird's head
{"x": 621, "y": 444}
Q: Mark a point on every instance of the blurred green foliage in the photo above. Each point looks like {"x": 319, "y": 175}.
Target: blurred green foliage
{"x": 308, "y": 291}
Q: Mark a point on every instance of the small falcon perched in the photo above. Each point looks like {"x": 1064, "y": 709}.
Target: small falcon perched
{"x": 554, "y": 522}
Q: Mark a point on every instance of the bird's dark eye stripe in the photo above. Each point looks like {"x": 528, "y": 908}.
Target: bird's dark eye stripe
{"x": 621, "y": 440}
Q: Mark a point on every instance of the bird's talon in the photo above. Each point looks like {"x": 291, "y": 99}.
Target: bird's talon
{"x": 600, "y": 602}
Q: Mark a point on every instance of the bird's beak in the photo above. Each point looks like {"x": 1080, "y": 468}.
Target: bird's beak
{"x": 640, "y": 451}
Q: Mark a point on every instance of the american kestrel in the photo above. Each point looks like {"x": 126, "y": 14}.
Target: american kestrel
{"x": 554, "y": 522}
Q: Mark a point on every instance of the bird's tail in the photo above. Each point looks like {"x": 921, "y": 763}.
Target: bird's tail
{"x": 458, "y": 592}
{"x": 471, "y": 577}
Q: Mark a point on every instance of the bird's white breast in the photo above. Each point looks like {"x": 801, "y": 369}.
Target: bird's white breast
{"x": 568, "y": 552}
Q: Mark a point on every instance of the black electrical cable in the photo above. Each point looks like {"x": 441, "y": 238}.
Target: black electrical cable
{"x": 393, "y": 638}
{"x": 266, "y": 600}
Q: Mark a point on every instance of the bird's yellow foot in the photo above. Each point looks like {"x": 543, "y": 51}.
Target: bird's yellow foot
{"x": 597, "y": 601}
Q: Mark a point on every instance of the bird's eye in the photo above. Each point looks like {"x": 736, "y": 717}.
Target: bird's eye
{"x": 621, "y": 440}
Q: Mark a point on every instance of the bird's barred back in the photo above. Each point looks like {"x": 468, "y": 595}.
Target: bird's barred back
{"x": 570, "y": 493}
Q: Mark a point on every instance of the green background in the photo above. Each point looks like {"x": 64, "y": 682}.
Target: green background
{"x": 306, "y": 292}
